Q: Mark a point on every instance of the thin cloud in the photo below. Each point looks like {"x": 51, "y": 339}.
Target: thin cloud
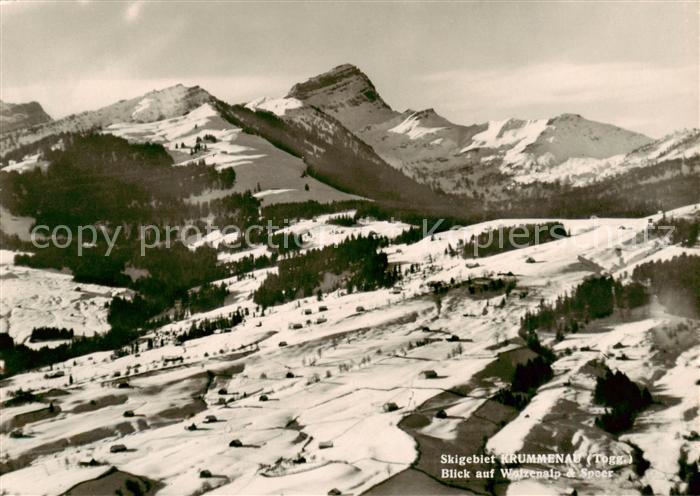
{"x": 563, "y": 83}
{"x": 622, "y": 93}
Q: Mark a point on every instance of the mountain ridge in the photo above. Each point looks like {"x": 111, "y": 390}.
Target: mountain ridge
{"x": 344, "y": 87}
{"x": 337, "y": 120}
{"x": 453, "y": 157}
{"x": 168, "y": 102}
{"x": 15, "y": 116}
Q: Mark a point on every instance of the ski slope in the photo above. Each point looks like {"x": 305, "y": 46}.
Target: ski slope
{"x": 326, "y": 382}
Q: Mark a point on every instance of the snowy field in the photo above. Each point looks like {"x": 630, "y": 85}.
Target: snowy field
{"x": 36, "y": 298}
{"x": 307, "y": 404}
{"x": 259, "y": 166}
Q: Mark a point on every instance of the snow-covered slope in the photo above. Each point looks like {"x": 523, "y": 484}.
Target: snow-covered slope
{"x": 456, "y": 157}
{"x": 276, "y": 176}
{"x": 155, "y": 105}
{"x": 683, "y": 144}
{"x": 343, "y": 108}
{"x": 45, "y": 298}
{"x": 15, "y": 116}
{"x": 179, "y": 117}
{"x": 277, "y": 106}
{"x": 323, "y": 425}
{"x": 570, "y": 135}
{"x": 485, "y": 158}
{"x": 420, "y": 124}
{"x": 514, "y": 134}
{"x": 579, "y": 171}
{"x": 333, "y": 151}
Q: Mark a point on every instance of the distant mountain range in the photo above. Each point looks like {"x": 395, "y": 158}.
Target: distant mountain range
{"x": 452, "y": 157}
{"x": 336, "y": 130}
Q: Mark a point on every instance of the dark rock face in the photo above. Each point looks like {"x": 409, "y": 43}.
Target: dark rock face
{"x": 347, "y": 94}
{"x": 346, "y": 80}
{"x": 15, "y": 116}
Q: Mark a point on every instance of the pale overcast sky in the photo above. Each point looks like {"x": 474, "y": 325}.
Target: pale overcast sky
{"x": 634, "y": 64}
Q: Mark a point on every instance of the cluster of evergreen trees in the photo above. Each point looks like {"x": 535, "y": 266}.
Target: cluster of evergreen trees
{"x": 207, "y": 327}
{"x": 131, "y": 314}
{"x": 491, "y": 285}
{"x": 19, "y": 358}
{"x": 50, "y": 334}
{"x": 355, "y": 262}
{"x": 640, "y": 192}
{"x": 42, "y": 147}
{"x": 409, "y": 236}
{"x": 689, "y": 473}
{"x": 529, "y": 376}
{"x": 594, "y": 298}
{"x": 286, "y": 243}
{"x": 344, "y": 220}
{"x": 281, "y": 214}
{"x": 88, "y": 264}
{"x": 508, "y": 238}
{"x": 237, "y": 209}
{"x": 6, "y": 341}
{"x": 171, "y": 272}
{"x": 206, "y": 297}
{"x": 13, "y": 242}
{"x": 480, "y": 286}
{"x": 103, "y": 178}
{"x": 249, "y": 264}
{"x": 676, "y": 282}
{"x": 679, "y": 230}
{"x": 624, "y": 398}
{"x": 415, "y": 217}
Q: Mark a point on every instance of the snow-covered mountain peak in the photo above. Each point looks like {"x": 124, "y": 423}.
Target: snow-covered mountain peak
{"x": 168, "y": 102}
{"x": 566, "y": 147}
{"x": 570, "y": 135}
{"x": 559, "y": 138}
{"x": 419, "y": 124}
{"x": 580, "y": 170}
{"x": 153, "y": 106}
{"x": 345, "y": 93}
{"x": 343, "y": 106}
